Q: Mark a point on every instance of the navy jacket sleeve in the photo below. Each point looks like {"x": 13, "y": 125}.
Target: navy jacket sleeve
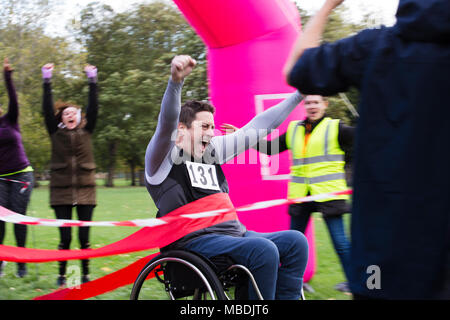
{"x": 334, "y": 67}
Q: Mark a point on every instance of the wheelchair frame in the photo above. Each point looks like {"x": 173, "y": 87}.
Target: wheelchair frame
{"x": 209, "y": 278}
{"x": 205, "y": 276}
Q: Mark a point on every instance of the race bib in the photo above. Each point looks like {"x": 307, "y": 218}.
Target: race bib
{"x": 203, "y": 175}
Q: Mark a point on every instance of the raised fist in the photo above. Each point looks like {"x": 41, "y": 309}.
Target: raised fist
{"x": 7, "y": 66}
{"x": 91, "y": 71}
{"x": 181, "y": 67}
{"x": 47, "y": 70}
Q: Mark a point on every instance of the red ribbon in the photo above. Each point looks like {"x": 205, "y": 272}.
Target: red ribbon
{"x": 176, "y": 227}
{"x": 104, "y": 284}
{"x": 146, "y": 238}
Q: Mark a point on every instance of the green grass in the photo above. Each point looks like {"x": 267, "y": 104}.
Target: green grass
{"x": 125, "y": 203}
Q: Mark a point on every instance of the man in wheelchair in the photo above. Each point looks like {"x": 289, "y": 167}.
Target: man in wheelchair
{"x": 183, "y": 164}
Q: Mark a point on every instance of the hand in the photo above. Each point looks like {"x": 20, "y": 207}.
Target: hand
{"x": 91, "y": 71}
{"x": 47, "y": 70}
{"x": 227, "y": 128}
{"x": 7, "y": 66}
{"x": 181, "y": 67}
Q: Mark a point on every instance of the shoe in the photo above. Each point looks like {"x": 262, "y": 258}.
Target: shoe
{"x": 2, "y": 266}
{"x": 85, "y": 279}
{"x": 61, "y": 281}
{"x": 343, "y": 287}
{"x": 308, "y": 288}
{"x": 21, "y": 270}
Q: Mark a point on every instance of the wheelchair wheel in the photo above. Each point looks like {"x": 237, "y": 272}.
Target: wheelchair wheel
{"x": 184, "y": 275}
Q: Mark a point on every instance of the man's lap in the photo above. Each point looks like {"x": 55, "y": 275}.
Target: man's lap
{"x": 238, "y": 248}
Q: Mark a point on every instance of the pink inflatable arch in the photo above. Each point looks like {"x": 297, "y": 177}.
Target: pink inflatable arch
{"x": 248, "y": 42}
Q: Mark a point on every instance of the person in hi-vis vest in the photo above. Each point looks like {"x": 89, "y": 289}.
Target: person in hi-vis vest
{"x": 318, "y": 145}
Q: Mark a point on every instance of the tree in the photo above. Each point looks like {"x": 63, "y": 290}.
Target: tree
{"x": 23, "y": 41}
{"x": 132, "y": 51}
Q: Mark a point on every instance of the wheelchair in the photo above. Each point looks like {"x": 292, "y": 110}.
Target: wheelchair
{"x": 189, "y": 275}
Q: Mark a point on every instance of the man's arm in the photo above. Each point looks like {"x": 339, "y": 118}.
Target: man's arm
{"x": 311, "y": 36}
{"x": 269, "y": 147}
{"x": 333, "y": 67}
{"x": 346, "y": 136}
{"x": 272, "y": 147}
{"x": 231, "y": 145}
{"x": 161, "y": 143}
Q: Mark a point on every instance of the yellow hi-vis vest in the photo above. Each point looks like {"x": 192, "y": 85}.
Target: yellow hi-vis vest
{"x": 321, "y": 168}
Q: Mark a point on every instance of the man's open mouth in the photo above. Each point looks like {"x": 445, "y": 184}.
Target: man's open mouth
{"x": 205, "y": 143}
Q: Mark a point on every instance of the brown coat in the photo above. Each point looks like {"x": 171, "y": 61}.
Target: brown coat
{"x": 72, "y": 168}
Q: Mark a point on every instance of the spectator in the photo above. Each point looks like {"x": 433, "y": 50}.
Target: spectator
{"x": 72, "y": 174}
{"x": 16, "y": 174}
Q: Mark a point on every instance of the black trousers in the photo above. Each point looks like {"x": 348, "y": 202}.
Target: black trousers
{"x": 15, "y": 198}
{"x": 84, "y": 213}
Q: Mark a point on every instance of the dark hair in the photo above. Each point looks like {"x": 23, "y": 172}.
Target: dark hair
{"x": 60, "y": 106}
{"x": 190, "y": 108}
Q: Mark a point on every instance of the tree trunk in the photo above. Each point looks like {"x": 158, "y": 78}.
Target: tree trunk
{"x": 112, "y": 153}
{"x": 133, "y": 172}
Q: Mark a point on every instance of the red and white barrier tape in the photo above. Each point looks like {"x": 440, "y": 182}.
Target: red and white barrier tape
{"x": 25, "y": 184}
{"x": 10, "y": 216}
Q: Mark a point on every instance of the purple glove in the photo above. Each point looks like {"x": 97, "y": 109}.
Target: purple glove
{"x": 47, "y": 71}
{"x": 91, "y": 71}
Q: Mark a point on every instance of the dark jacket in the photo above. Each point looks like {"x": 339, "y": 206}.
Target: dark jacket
{"x": 72, "y": 166}
{"x": 400, "y": 216}
{"x": 12, "y": 152}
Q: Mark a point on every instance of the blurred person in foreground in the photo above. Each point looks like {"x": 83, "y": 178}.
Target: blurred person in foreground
{"x": 400, "y": 218}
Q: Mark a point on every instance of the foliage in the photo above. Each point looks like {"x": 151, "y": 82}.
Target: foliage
{"x": 28, "y": 48}
{"x": 132, "y": 51}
